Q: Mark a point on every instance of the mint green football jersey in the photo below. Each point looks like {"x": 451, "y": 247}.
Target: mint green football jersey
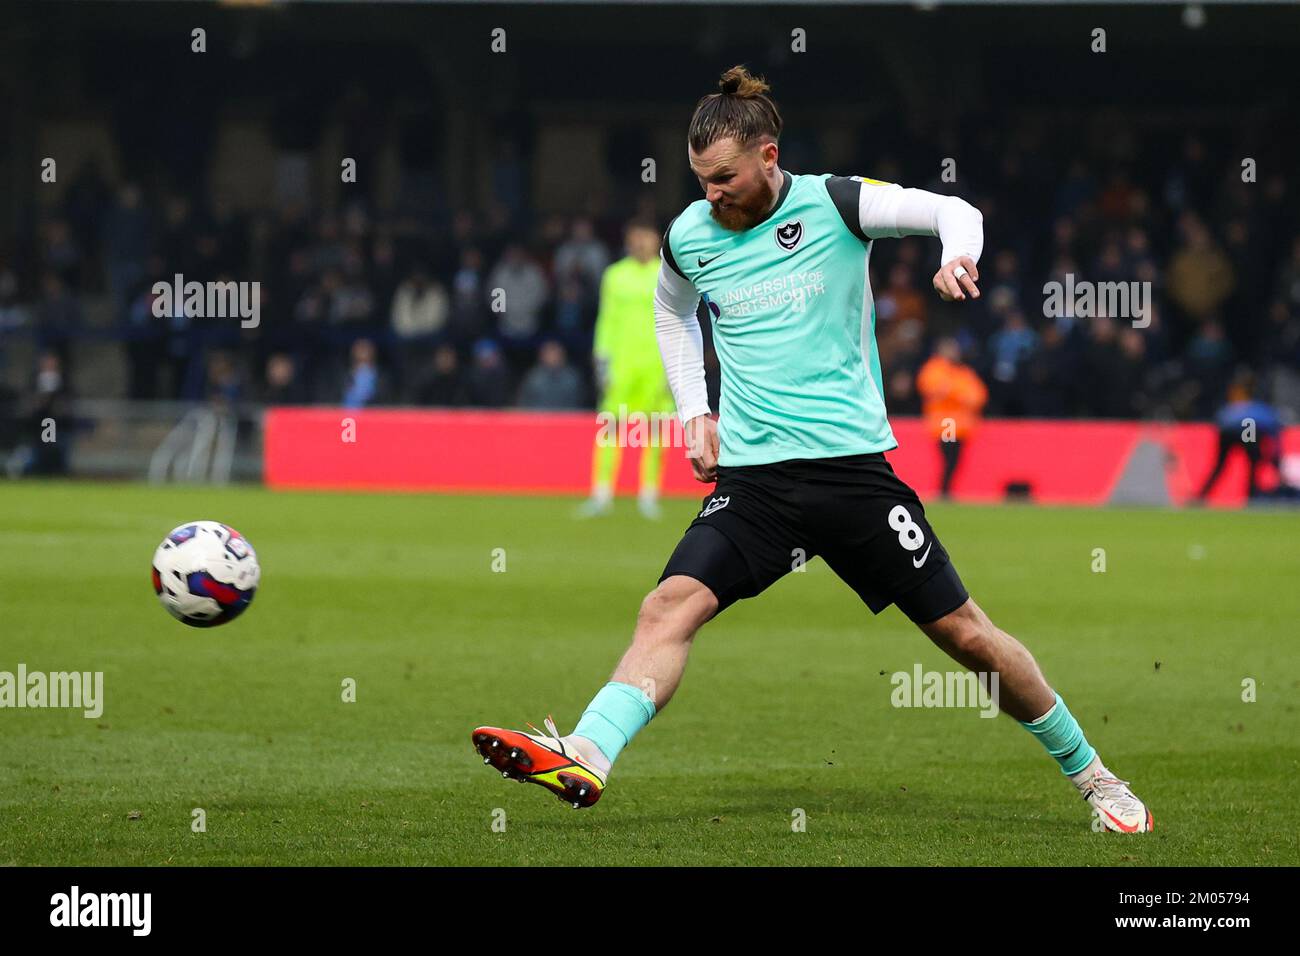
{"x": 793, "y": 324}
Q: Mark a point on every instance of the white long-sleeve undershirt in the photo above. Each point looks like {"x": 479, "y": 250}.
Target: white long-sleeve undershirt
{"x": 888, "y": 211}
{"x": 681, "y": 343}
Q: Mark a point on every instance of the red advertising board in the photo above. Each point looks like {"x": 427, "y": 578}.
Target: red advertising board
{"x": 515, "y": 452}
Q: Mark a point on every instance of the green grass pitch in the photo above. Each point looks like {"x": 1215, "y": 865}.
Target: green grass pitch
{"x": 784, "y": 704}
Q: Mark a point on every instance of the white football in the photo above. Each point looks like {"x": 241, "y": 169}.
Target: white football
{"x": 205, "y": 573}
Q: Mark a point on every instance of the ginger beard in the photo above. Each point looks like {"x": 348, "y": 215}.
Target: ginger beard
{"x": 744, "y": 212}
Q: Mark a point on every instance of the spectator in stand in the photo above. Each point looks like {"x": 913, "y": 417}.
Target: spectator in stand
{"x": 1208, "y": 363}
{"x": 582, "y": 258}
{"x": 330, "y": 285}
{"x": 1137, "y": 253}
{"x": 313, "y": 353}
{"x": 128, "y": 241}
{"x": 420, "y": 308}
{"x": 1009, "y": 349}
{"x": 952, "y": 397}
{"x": 900, "y": 301}
{"x": 1065, "y": 238}
{"x": 86, "y": 205}
{"x": 362, "y": 386}
{"x": 572, "y": 313}
{"x": 58, "y": 317}
{"x": 498, "y": 230}
{"x": 442, "y": 383}
{"x": 900, "y": 393}
{"x": 1117, "y": 198}
{"x": 46, "y": 422}
{"x": 225, "y": 388}
{"x": 550, "y": 235}
{"x": 488, "y": 382}
{"x": 900, "y": 313}
{"x": 1247, "y": 305}
{"x": 1200, "y": 275}
{"x": 1103, "y": 369}
{"x": 282, "y": 386}
{"x": 1136, "y": 402}
{"x": 518, "y": 288}
{"x": 552, "y": 383}
{"x": 1050, "y": 374}
{"x": 146, "y": 338}
{"x": 328, "y": 252}
{"x": 350, "y": 302}
{"x": 60, "y": 253}
{"x": 900, "y": 384}
{"x": 1006, "y": 284}
{"x": 419, "y": 319}
{"x": 1111, "y": 265}
{"x": 468, "y": 299}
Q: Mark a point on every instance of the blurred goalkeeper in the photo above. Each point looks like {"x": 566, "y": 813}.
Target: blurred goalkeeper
{"x": 634, "y": 394}
{"x": 780, "y": 261}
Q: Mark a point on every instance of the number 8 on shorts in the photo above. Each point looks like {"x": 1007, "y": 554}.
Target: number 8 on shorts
{"x": 910, "y": 535}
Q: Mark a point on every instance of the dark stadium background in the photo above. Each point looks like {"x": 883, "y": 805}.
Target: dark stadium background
{"x": 1100, "y": 164}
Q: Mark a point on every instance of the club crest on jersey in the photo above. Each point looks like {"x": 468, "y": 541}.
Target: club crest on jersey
{"x": 715, "y": 504}
{"x": 788, "y": 234}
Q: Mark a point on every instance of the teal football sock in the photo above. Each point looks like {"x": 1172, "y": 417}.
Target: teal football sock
{"x": 1060, "y": 733}
{"x": 614, "y": 716}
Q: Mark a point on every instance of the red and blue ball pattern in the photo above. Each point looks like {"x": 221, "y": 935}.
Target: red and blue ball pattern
{"x": 233, "y": 601}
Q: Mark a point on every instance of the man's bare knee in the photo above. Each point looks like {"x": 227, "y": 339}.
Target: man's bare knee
{"x": 966, "y": 633}
{"x": 679, "y": 603}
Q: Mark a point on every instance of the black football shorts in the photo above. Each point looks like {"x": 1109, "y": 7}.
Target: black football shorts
{"x": 763, "y": 521}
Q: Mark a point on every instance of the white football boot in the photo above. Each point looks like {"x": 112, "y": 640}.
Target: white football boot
{"x": 1114, "y": 804}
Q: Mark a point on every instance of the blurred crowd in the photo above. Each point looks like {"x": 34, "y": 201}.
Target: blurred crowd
{"x": 1221, "y": 255}
{"x": 360, "y": 307}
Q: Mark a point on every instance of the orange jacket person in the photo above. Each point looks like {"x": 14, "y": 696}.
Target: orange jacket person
{"x": 952, "y": 397}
